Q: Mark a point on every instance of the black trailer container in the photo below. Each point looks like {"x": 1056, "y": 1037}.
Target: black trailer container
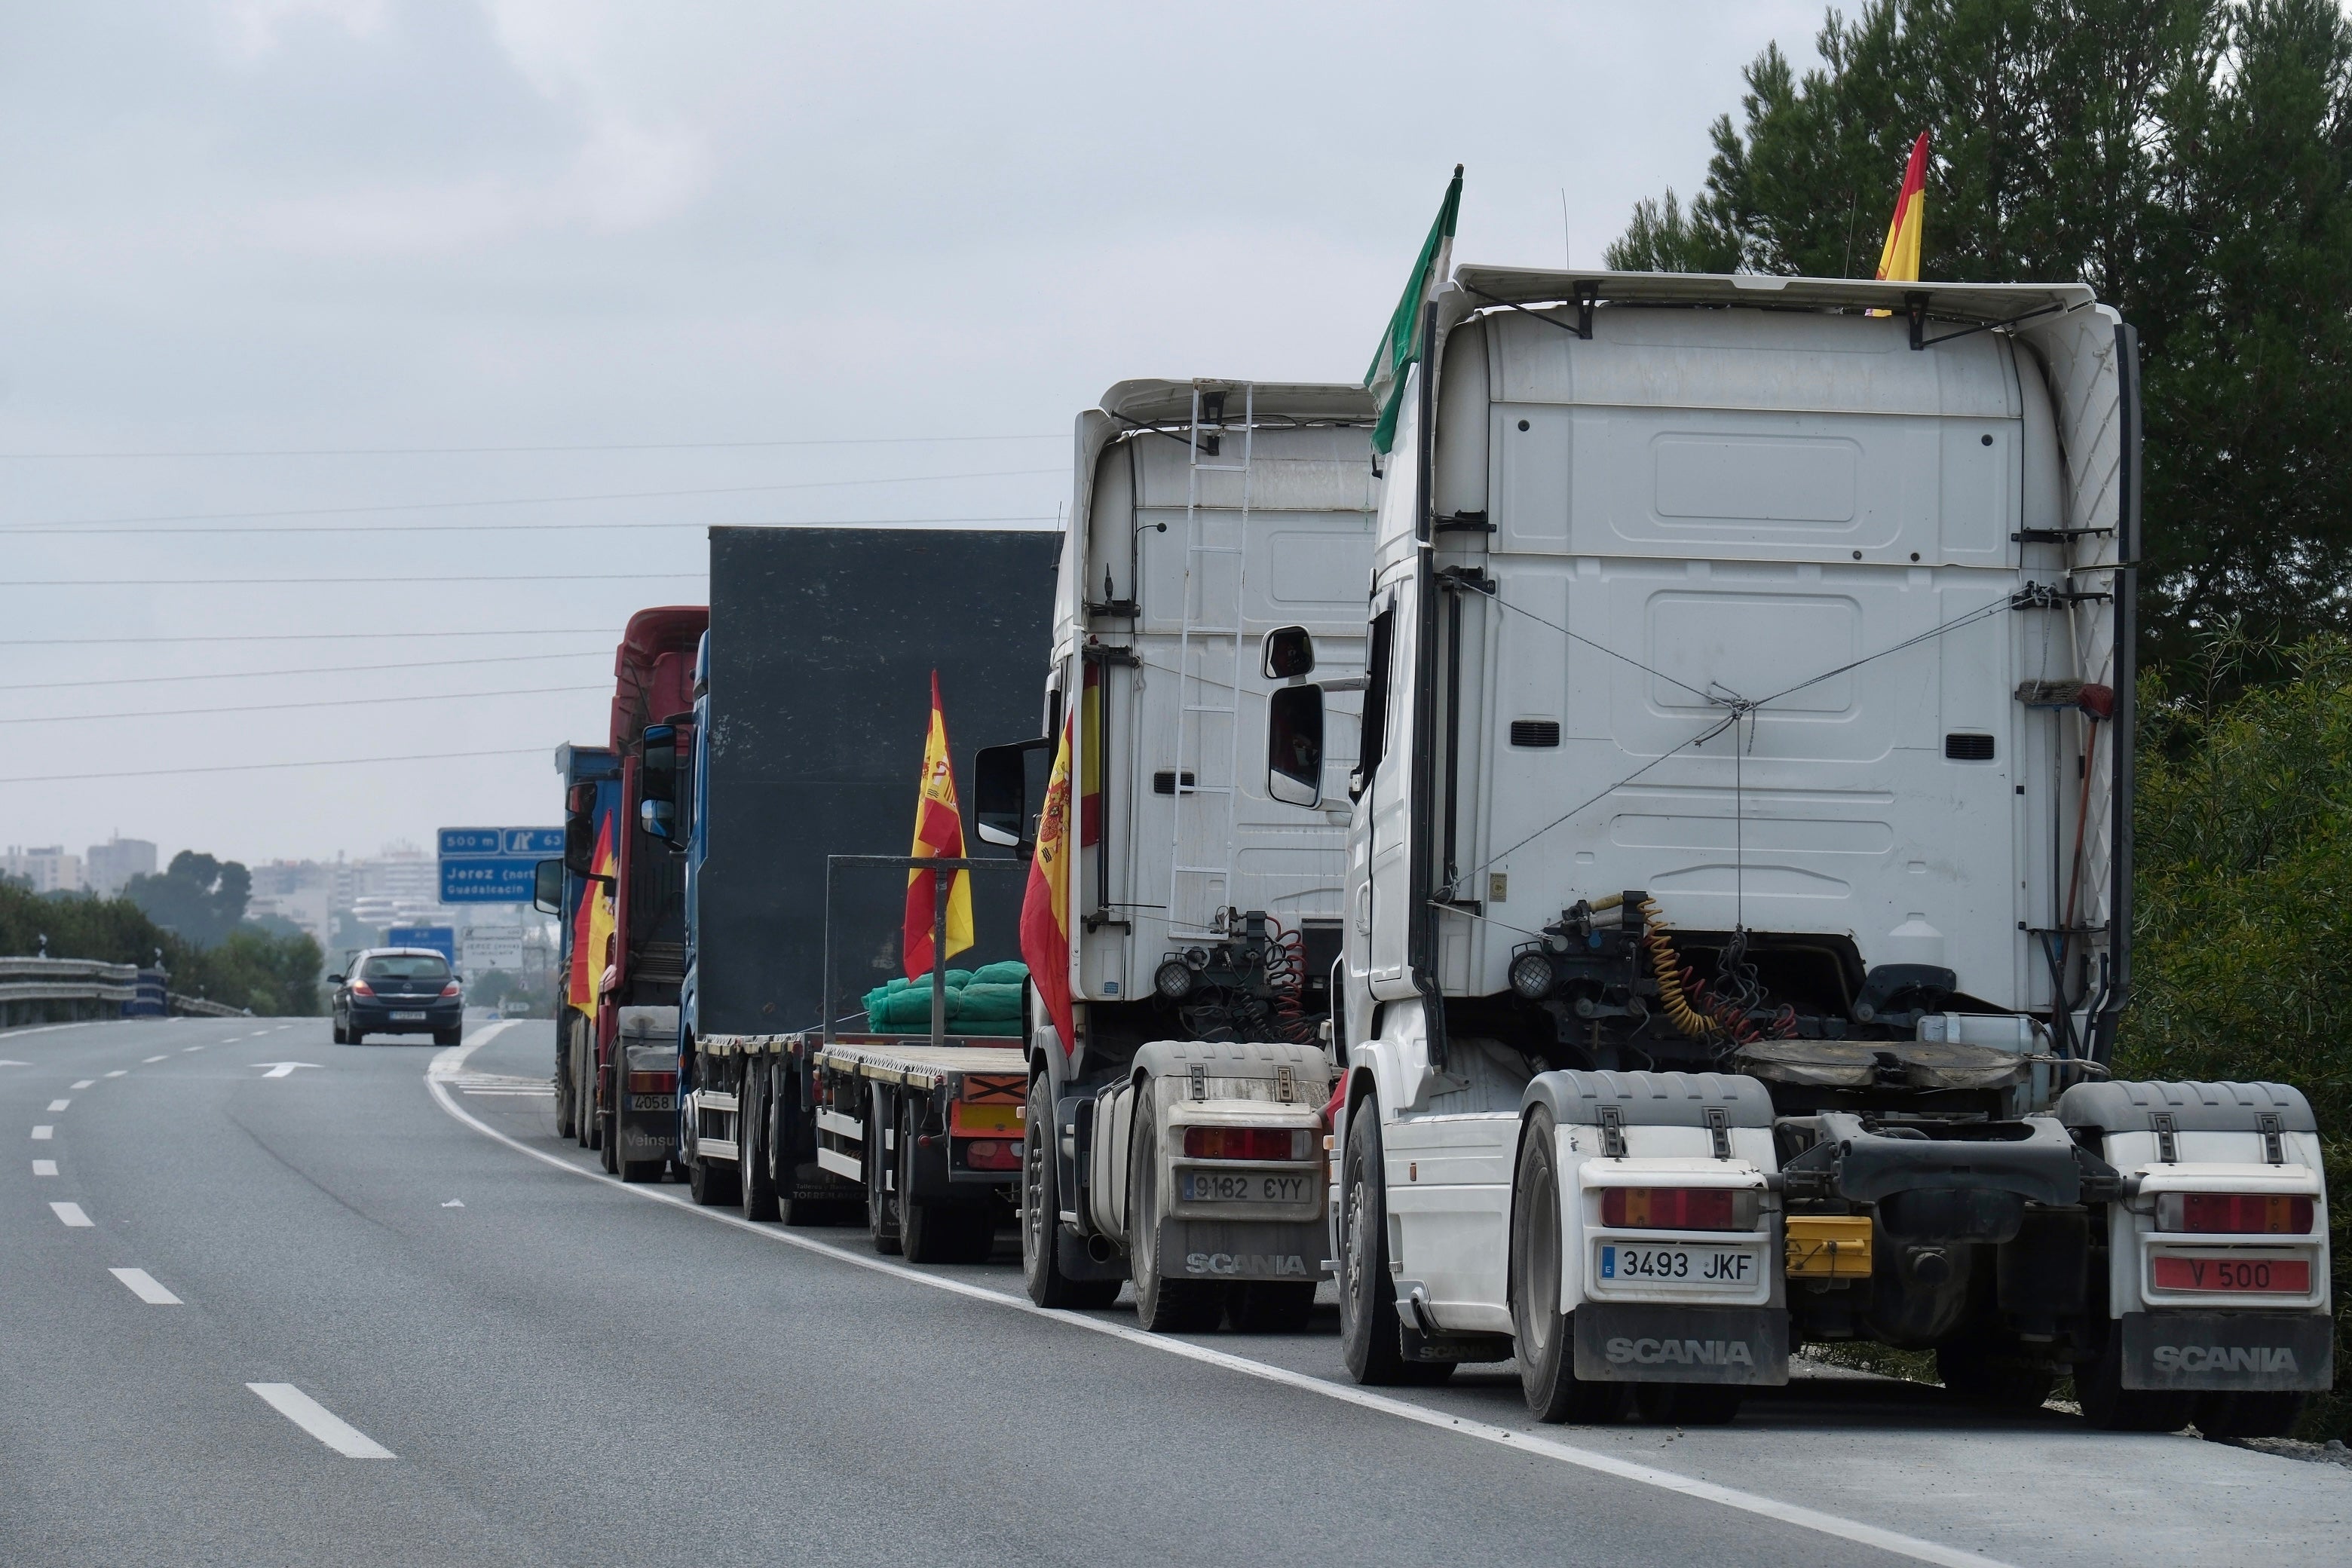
{"x": 808, "y": 742}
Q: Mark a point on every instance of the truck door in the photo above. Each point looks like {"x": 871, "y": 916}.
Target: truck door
{"x": 1391, "y": 794}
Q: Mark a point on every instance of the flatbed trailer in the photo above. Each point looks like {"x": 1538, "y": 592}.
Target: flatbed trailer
{"x": 923, "y": 1134}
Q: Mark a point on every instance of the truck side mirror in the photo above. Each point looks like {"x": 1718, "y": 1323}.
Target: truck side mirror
{"x": 999, "y": 792}
{"x": 580, "y": 830}
{"x": 658, "y": 772}
{"x": 658, "y": 817}
{"x": 1289, "y": 652}
{"x": 1294, "y": 745}
{"x": 547, "y": 886}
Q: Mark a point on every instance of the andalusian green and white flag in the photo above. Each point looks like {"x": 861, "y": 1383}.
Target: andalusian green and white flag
{"x": 1400, "y": 344}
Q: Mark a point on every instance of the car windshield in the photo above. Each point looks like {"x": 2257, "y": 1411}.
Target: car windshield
{"x": 407, "y": 966}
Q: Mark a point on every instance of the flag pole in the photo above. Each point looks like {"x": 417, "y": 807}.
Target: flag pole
{"x": 939, "y": 957}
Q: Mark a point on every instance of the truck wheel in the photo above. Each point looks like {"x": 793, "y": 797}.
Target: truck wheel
{"x": 1162, "y": 1305}
{"x": 1370, "y": 1338}
{"x": 1270, "y": 1307}
{"x": 608, "y": 1131}
{"x": 2111, "y": 1408}
{"x": 712, "y": 1184}
{"x": 1989, "y": 1376}
{"x": 1546, "y": 1335}
{"x": 2249, "y": 1414}
{"x": 935, "y": 1231}
{"x": 881, "y": 1210}
{"x": 757, "y": 1176}
{"x": 1041, "y": 1211}
{"x": 566, "y": 1102}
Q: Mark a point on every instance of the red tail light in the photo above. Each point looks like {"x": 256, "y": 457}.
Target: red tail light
{"x": 1671, "y": 1208}
{"x": 653, "y": 1083}
{"x": 991, "y": 1155}
{"x": 450, "y": 989}
{"x": 362, "y": 988}
{"x": 1245, "y": 1144}
{"x": 2233, "y": 1214}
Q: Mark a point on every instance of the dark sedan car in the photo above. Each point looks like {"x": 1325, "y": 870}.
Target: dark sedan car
{"x": 398, "y": 991}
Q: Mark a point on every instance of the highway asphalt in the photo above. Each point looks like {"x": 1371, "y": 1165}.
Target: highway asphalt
{"x": 367, "y": 1309}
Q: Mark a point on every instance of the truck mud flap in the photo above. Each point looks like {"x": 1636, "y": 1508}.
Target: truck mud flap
{"x": 2250, "y": 1350}
{"x": 1619, "y": 1341}
{"x": 1203, "y": 1249}
{"x": 636, "y": 1143}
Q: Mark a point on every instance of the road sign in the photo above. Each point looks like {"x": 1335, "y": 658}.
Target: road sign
{"x": 486, "y": 949}
{"x": 494, "y": 865}
{"x": 442, "y": 940}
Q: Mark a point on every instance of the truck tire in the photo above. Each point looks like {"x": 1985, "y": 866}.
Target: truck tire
{"x": 712, "y": 1184}
{"x": 1544, "y": 1336}
{"x": 1370, "y": 1338}
{"x": 1987, "y": 1375}
{"x": 1041, "y": 1215}
{"x": 608, "y": 1136}
{"x": 566, "y": 1101}
{"x": 2110, "y": 1406}
{"x": 936, "y": 1230}
{"x": 2249, "y": 1414}
{"x": 1271, "y": 1307}
{"x": 755, "y": 1173}
{"x": 1163, "y": 1306}
{"x": 881, "y": 1209}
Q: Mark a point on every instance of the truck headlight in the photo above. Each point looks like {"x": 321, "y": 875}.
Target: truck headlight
{"x": 1531, "y": 975}
{"x": 1173, "y": 979}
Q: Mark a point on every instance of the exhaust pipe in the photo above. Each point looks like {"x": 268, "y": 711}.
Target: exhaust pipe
{"x": 1099, "y": 1248}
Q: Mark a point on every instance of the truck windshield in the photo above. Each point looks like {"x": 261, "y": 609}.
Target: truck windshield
{"x": 407, "y": 966}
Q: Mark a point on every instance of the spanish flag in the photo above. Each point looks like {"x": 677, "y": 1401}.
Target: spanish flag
{"x": 1045, "y": 907}
{"x": 939, "y": 831}
{"x": 1899, "y": 261}
{"x": 592, "y": 922}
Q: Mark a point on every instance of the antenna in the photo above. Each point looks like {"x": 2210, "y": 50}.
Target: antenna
{"x": 1566, "y": 249}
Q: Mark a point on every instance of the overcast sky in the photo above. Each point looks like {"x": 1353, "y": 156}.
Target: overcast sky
{"x": 292, "y": 229}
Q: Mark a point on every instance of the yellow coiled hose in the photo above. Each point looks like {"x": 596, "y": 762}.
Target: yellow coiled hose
{"x": 1667, "y": 966}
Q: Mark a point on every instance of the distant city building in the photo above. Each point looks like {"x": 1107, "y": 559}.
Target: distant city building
{"x": 110, "y": 865}
{"x": 49, "y": 869}
{"x": 302, "y": 892}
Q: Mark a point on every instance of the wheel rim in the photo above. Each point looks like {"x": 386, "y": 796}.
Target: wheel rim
{"x": 1541, "y": 1287}
{"x": 1033, "y": 1192}
{"x": 1356, "y": 1253}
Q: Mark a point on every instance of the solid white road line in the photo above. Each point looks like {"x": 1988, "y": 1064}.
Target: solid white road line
{"x": 143, "y": 1285}
{"x": 321, "y": 1422}
{"x": 84, "y": 1082}
{"x": 59, "y": 1104}
{"x": 446, "y": 1064}
{"x": 71, "y": 1214}
{"x": 42, "y": 1134}
{"x": 45, "y": 1167}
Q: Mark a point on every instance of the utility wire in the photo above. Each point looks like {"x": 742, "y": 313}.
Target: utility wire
{"x": 74, "y": 523}
{"x": 325, "y": 670}
{"x": 300, "y": 636}
{"x": 582, "y": 447}
{"x": 26, "y": 529}
{"x": 343, "y": 579}
{"x": 261, "y": 767}
{"x": 325, "y": 702}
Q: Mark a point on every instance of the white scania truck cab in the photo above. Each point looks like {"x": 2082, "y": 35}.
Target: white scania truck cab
{"x": 1219, "y": 529}
{"x": 1738, "y": 889}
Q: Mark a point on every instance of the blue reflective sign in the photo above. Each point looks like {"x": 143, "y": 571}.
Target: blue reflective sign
{"x": 442, "y": 940}
{"x": 494, "y": 865}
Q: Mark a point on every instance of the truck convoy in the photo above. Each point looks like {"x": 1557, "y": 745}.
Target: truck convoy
{"x": 569, "y": 890}
{"x": 1739, "y": 873}
{"x": 1176, "y": 1141}
{"x": 1621, "y": 857}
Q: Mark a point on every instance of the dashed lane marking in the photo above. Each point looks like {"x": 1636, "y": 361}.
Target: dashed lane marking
{"x": 84, "y": 1082}
{"x": 192, "y": 1047}
{"x": 143, "y": 1285}
{"x": 321, "y": 1422}
{"x": 43, "y": 1134}
{"x": 119, "y": 1072}
{"x": 45, "y": 1167}
{"x": 59, "y": 1104}
{"x": 71, "y": 1214}
{"x": 448, "y": 1064}
{"x": 153, "y": 1059}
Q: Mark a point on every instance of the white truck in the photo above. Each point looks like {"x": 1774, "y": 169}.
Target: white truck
{"x": 1739, "y": 864}
{"x": 1178, "y": 1139}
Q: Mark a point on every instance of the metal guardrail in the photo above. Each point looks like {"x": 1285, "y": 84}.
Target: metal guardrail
{"x": 198, "y": 1007}
{"x": 67, "y": 980}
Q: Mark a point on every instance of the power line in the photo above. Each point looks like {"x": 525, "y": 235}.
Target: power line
{"x": 342, "y": 579}
{"x": 299, "y": 636}
{"x": 72, "y": 522}
{"x": 580, "y": 446}
{"x": 24, "y": 530}
{"x": 324, "y": 669}
{"x": 325, "y": 702}
{"x": 261, "y": 767}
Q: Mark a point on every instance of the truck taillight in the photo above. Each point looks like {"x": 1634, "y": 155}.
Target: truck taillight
{"x": 1671, "y": 1208}
{"x": 2233, "y": 1214}
{"x": 653, "y": 1083}
{"x": 991, "y": 1155}
{"x": 1245, "y": 1143}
